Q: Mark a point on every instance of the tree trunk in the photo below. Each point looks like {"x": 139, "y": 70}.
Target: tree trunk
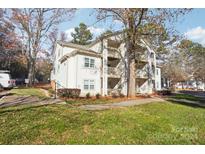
{"x": 131, "y": 77}
{"x": 31, "y": 72}
{"x": 172, "y": 85}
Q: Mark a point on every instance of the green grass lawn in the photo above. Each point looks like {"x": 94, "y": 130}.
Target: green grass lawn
{"x": 156, "y": 123}
{"x": 187, "y": 97}
{"x": 89, "y": 101}
{"x": 29, "y": 91}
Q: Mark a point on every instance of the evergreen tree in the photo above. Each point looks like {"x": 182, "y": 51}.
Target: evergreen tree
{"x": 82, "y": 35}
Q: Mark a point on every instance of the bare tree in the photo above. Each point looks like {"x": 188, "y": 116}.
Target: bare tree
{"x": 138, "y": 23}
{"x": 193, "y": 59}
{"x": 33, "y": 26}
{"x": 63, "y": 36}
{"x": 53, "y": 37}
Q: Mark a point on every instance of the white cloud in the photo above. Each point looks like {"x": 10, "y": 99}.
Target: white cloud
{"x": 94, "y": 30}
{"x": 196, "y": 34}
{"x": 68, "y": 34}
{"x": 118, "y": 22}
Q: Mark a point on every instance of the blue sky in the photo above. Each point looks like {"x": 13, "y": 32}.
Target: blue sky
{"x": 191, "y": 25}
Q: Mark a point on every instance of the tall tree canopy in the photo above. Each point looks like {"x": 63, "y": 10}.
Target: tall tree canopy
{"x": 11, "y": 57}
{"x": 82, "y": 35}
{"x": 194, "y": 59}
{"x": 139, "y": 23}
{"x": 186, "y": 61}
{"x": 33, "y": 27}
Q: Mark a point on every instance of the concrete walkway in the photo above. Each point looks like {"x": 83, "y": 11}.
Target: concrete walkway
{"x": 14, "y": 100}
{"x": 120, "y": 104}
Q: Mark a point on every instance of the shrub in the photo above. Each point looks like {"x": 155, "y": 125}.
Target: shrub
{"x": 69, "y": 93}
{"x": 97, "y": 95}
{"x": 88, "y": 95}
{"x": 122, "y": 95}
{"x": 164, "y": 92}
{"x": 114, "y": 95}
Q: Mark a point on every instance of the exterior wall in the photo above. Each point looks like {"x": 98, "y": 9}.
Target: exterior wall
{"x": 97, "y": 47}
{"x": 59, "y": 52}
{"x": 158, "y": 79}
{"x": 83, "y": 73}
{"x": 104, "y": 69}
{"x": 71, "y": 73}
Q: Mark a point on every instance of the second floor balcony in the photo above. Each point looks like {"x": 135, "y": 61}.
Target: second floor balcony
{"x": 113, "y": 52}
{"x": 141, "y": 74}
{"x": 114, "y": 72}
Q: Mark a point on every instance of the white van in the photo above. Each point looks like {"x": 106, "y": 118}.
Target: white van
{"x": 5, "y": 80}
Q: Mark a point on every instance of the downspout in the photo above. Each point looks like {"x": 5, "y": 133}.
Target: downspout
{"x": 102, "y": 72}
{"x": 103, "y": 67}
{"x": 76, "y": 79}
{"x": 67, "y": 75}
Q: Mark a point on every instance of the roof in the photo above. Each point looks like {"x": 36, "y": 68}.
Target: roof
{"x": 104, "y": 37}
{"x": 73, "y": 45}
{"x": 79, "y": 51}
{"x": 86, "y": 47}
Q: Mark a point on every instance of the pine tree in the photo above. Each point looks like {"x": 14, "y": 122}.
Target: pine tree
{"x": 82, "y": 35}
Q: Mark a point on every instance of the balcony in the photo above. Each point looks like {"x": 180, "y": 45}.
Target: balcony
{"x": 141, "y": 74}
{"x": 114, "y": 72}
{"x": 113, "y": 43}
{"x": 141, "y": 59}
{"x": 113, "y": 52}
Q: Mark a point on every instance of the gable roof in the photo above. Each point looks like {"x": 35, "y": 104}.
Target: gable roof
{"x": 87, "y": 47}
{"x": 105, "y": 37}
{"x": 73, "y": 45}
{"x": 78, "y": 51}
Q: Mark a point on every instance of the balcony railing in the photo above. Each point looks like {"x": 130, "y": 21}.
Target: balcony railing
{"x": 142, "y": 58}
{"x": 141, "y": 74}
{"x": 113, "y": 72}
{"x": 113, "y": 43}
{"x": 113, "y": 52}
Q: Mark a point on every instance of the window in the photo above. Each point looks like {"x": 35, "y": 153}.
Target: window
{"x": 89, "y": 84}
{"x": 157, "y": 71}
{"x": 89, "y": 62}
{"x": 86, "y": 84}
{"x": 86, "y": 62}
{"x": 92, "y": 85}
{"x": 92, "y": 63}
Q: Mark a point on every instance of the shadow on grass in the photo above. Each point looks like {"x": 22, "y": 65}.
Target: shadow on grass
{"x": 22, "y": 108}
{"x": 6, "y": 94}
{"x": 194, "y": 105}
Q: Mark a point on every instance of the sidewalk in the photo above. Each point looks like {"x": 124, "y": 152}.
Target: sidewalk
{"x": 120, "y": 104}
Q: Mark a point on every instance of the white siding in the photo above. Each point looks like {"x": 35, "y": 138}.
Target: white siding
{"x": 72, "y": 71}
{"x": 158, "y": 79}
{"x": 84, "y": 73}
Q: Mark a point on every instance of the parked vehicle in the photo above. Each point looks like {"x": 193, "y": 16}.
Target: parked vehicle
{"x": 5, "y": 80}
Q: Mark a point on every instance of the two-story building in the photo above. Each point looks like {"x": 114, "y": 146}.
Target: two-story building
{"x": 101, "y": 67}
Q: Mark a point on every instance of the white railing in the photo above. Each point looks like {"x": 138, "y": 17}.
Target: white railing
{"x": 113, "y": 52}
{"x": 141, "y": 74}
{"x": 113, "y": 71}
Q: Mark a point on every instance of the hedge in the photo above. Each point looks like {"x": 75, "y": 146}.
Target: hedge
{"x": 68, "y": 92}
